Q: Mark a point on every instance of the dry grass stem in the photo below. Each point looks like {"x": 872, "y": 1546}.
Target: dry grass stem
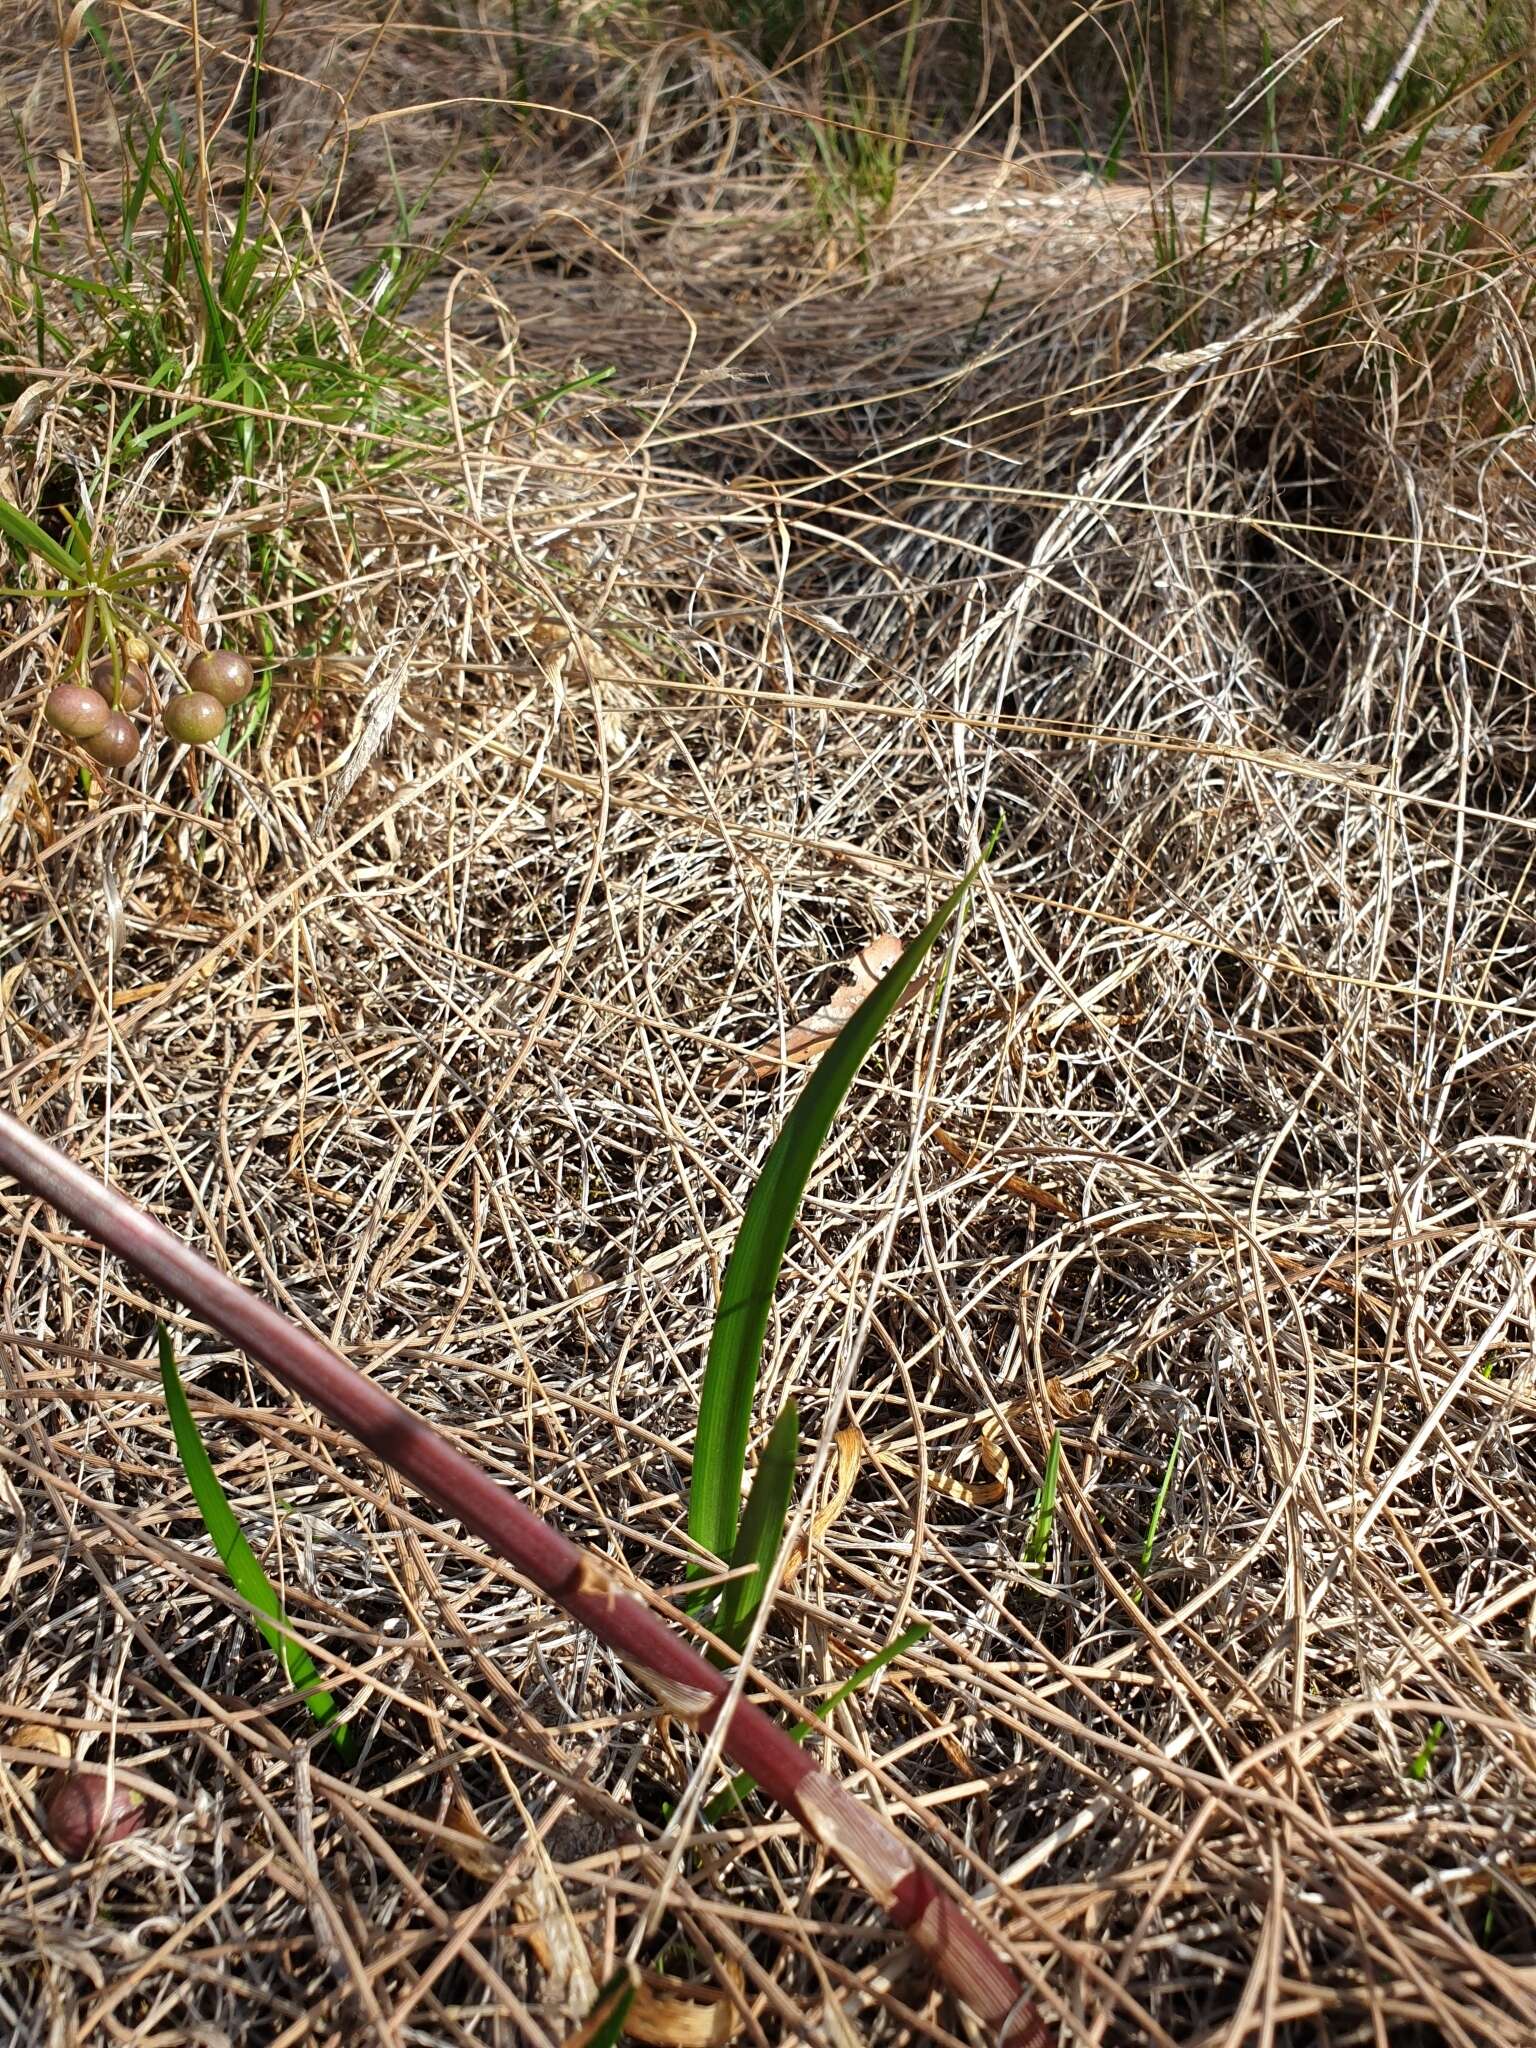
{"x": 794, "y": 455}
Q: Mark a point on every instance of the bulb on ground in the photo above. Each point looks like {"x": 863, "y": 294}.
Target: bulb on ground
{"x": 195, "y": 719}
{"x": 83, "y": 1815}
{"x": 223, "y": 674}
{"x": 116, "y": 744}
{"x": 75, "y": 711}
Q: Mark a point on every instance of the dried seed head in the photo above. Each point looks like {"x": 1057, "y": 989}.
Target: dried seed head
{"x": 196, "y": 718}
{"x": 78, "y": 712}
{"x": 223, "y": 674}
{"x": 84, "y": 1814}
{"x": 126, "y": 688}
{"x": 116, "y": 744}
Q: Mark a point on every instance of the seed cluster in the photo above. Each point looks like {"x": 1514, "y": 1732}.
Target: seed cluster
{"x": 97, "y": 713}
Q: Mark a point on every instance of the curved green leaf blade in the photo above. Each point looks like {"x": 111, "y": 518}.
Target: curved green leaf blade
{"x": 28, "y": 538}
{"x": 741, "y": 1319}
{"x": 762, "y": 1528}
{"x": 237, "y": 1557}
{"x": 744, "y": 1782}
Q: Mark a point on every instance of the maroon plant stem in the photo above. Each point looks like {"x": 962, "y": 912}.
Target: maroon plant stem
{"x": 878, "y": 1857}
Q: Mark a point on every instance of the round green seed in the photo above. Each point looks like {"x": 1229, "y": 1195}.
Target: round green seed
{"x": 195, "y": 719}
{"x": 223, "y": 674}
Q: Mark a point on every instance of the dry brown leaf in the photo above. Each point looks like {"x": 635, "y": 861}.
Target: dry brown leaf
{"x": 550, "y": 1930}
{"x": 474, "y": 1852}
{"x": 27, "y": 407}
{"x": 850, "y": 1455}
{"x": 1014, "y": 1183}
{"x": 806, "y": 1042}
{"x": 1069, "y": 1403}
{"x": 40, "y": 1739}
{"x": 200, "y": 970}
{"x": 672, "y": 2014}
{"x": 974, "y": 1493}
{"x": 598, "y": 2017}
{"x": 22, "y": 797}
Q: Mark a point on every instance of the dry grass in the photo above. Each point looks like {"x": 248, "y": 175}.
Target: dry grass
{"x": 1192, "y": 529}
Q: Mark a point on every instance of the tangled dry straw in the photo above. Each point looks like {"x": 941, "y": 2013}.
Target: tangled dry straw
{"x": 1186, "y": 523}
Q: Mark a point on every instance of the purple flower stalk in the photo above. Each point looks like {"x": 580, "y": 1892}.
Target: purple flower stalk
{"x": 685, "y": 1684}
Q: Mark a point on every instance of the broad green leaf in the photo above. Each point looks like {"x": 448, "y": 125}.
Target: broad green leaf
{"x": 752, "y": 1272}
{"x": 762, "y": 1529}
{"x": 743, "y": 1783}
{"x": 239, "y": 1560}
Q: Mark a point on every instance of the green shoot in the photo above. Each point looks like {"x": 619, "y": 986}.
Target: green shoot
{"x": 1150, "y": 1539}
{"x": 1045, "y": 1504}
{"x": 1418, "y": 1770}
{"x": 875, "y": 1855}
{"x": 236, "y": 275}
{"x": 239, "y": 1560}
{"x": 742, "y": 1784}
{"x": 539, "y": 403}
{"x": 752, "y": 1272}
{"x": 762, "y": 1529}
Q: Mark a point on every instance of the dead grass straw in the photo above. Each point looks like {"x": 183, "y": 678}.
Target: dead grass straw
{"x": 1192, "y": 528}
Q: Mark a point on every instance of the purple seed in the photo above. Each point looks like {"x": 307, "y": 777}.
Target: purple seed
{"x": 116, "y": 745}
{"x": 83, "y": 1815}
{"x": 196, "y": 718}
{"x": 130, "y": 686}
{"x": 223, "y": 674}
{"x": 75, "y": 711}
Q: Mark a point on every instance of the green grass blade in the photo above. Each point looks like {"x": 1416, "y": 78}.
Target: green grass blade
{"x": 1419, "y": 1769}
{"x": 169, "y": 189}
{"x": 752, "y": 1272}
{"x": 1160, "y": 1503}
{"x": 231, "y": 289}
{"x": 762, "y": 1529}
{"x": 743, "y": 1782}
{"x": 29, "y": 538}
{"x": 237, "y": 1557}
{"x": 1045, "y": 1507}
